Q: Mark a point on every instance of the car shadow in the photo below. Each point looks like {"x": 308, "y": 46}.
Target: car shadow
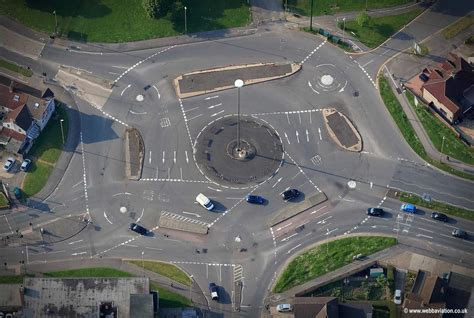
{"x": 218, "y": 207}
{"x": 298, "y": 199}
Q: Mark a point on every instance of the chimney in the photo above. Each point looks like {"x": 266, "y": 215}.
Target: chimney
{"x": 10, "y": 87}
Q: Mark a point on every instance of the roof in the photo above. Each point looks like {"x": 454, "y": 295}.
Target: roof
{"x": 21, "y": 117}
{"x": 315, "y": 307}
{"x": 36, "y": 106}
{"x": 433, "y": 290}
{"x": 10, "y": 133}
{"x": 461, "y": 282}
{"x": 11, "y": 100}
{"x": 141, "y": 305}
{"x": 10, "y": 297}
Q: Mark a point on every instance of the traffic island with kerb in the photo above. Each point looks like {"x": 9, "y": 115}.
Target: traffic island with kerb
{"x": 223, "y": 160}
{"x": 218, "y": 79}
{"x": 341, "y": 130}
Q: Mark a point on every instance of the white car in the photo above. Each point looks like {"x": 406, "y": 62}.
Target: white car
{"x": 284, "y": 307}
{"x": 9, "y": 164}
{"x": 397, "y": 299}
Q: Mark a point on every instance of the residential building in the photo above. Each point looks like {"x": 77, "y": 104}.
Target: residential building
{"x": 24, "y": 113}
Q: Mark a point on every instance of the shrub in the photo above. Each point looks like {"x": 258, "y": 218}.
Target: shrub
{"x": 156, "y": 8}
{"x": 363, "y": 19}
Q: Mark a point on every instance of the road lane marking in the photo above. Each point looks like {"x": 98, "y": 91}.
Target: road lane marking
{"x": 218, "y": 190}
{"x": 211, "y": 97}
{"x": 174, "y": 156}
{"x": 329, "y": 232}
{"x": 422, "y": 235}
{"x": 154, "y": 248}
{"x": 292, "y": 249}
{"x": 214, "y": 106}
{"x": 194, "y": 117}
{"x": 78, "y": 183}
{"x": 307, "y": 136}
{"x": 274, "y": 185}
{"x": 81, "y": 253}
{"x": 141, "y": 215}
{"x": 195, "y": 214}
{"x": 186, "y": 154}
{"x": 123, "y": 91}
{"x": 298, "y": 136}
{"x": 425, "y": 230}
{"x": 288, "y": 140}
{"x": 215, "y": 114}
{"x": 315, "y": 211}
{"x": 149, "y": 158}
{"x": 367, "y": 63}
{"x": 288, "y": 237}
{"x": 320, "y": 136}
{"x": 158, "y": 92}
{"x": 71, "y": 243}
{"x": 284, "y": 226}
{"x": 188, "y": 110}
{"x": 105, "y": 216}
{"x": 8, "y": 223}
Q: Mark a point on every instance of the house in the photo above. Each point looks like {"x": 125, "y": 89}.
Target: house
{"x": 431, "y": 295}
{"x": 448, "y": 88}
{"x": 24, "y": 113}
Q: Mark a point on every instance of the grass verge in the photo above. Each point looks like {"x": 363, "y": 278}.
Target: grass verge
{"x": 436, "y": 130}
{"x": 438, "y": 206}
{"x": 408, "y": 132}
{"x": 15, "y": 68}
{"x": 321, "y": 7}
{"x": 164, "y": 269}
{"x": 328, "y": 257}
{"x": 124, "y": 21}
{"x": 379, "y": 29}
{"x": 169, "y": 299}
{"x": 14, "y": 279}
{"x": 458, "y": 26}
{"x": 45, "y": 152}
{"x": 89, "y": 272}
{"x": 3, "y": 199}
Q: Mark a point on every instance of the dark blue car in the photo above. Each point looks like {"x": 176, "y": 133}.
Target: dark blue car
{"x": 256, "y": 199}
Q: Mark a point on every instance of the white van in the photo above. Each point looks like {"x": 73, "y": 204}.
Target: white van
{"x": 204, "y": 201}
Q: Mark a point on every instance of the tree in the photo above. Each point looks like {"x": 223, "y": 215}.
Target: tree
{"x": 157, "y": 8}
{"x": 363, "y": 19}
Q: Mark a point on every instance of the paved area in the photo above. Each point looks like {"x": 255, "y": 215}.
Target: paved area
{"x": 219, "y": 159}
{"x": 293, "y": 209}
{"x": 19, "y": 43}
{"x": 206, "y": 81}
{"x": 342, "y": 130}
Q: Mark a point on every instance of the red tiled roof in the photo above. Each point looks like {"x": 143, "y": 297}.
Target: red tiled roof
{"x": 7, "y": 132}
{"x": 436, "y": 85}
{"x": 11, "y": 100}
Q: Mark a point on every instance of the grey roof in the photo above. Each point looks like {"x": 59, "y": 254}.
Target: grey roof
{"x": 141, "y": 305}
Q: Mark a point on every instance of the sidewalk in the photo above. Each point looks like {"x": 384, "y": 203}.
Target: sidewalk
{"x": 421, "y": 133}
{"x": 330, "y": 22}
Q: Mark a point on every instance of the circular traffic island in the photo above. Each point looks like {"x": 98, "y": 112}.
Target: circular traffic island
{"x": 229, "y": 161}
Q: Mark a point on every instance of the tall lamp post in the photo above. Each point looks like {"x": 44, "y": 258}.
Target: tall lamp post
{"x": 56, "y": 22}
{"x": 442, "y": 146}
{"x": 185, "y": 21}
{"x": 311, "y": 17}
{"x": 190, "y": 285}
{"x": 62, "y": 131}
{"x": 238, "y": 83}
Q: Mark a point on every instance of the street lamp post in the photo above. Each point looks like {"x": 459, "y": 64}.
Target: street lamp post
{"x": 143, "y": 264}
{"x": 442, "y": 146}
{"x": 344, "y": 25}
{"x": 62, "y": 131}
{"x": 56, "y": 22}
{"x": 238, "y": 83}
{"x": 311, "y": 17}
{"x": 185, "y": 20}
{"x": 190, "y": 285}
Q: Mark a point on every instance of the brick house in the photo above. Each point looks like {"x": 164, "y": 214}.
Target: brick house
{"x": 449, "y": 88}
{"x": 24, "y": 112}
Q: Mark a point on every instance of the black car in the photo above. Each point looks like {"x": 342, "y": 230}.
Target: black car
{"x": 138, "y": 229}
{"x": 290, "y": 194}
{"x": 375, "y": 211}
{"x": 439, "y": 216}
{"x": 459, "y": 233}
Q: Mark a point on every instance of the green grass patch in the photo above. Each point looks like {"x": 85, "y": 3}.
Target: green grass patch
{"x": 321, "y": 7}
{"x": 90, "y": 272}
{"x": 124, "y": 21}
{"x": 164, "y": 269}
{"x": 169, "y": 299}
{"x": 458, "y": 26}
{"x": 408, "y": 132}
{"x": 15, "y": 68}
{"x": 14, "y": 279}
{"x": 437, "y": 206}
{"x": 328, "y": 257}
{"x": 36, "y": 178}
{"x": 3, "y": 199}
{"x": 436, "y": 130}
{"x": 379, "y": 29}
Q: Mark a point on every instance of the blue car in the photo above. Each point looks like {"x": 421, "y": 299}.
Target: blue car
{"x": 256, "y": 199}
{"x": 409, "y": 208}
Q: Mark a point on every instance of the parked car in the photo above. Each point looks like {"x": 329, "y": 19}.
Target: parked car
{"x": 439, "y": 216}
{"x": 397, "y": 299}
{"x": 290, "y": 194}
{"x": 407, "y": 207}
{"x": 17, "y": 193}
{"x": 459, "y": 233}
{"x": 204, "y": 201}
{"x": 214, "y": 291}
{"x": 284, "y": 307}
{"x": 9, "y": 164}
{"x": 375, "y": 211}
{"x": 256, "y": 199}
{"x": 25, "y": 165}
{"x": 138, "y": 229}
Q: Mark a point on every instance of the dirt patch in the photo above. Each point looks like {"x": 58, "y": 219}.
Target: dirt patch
{"x": 134, "y": 154}
{"x": 342, "y": 131}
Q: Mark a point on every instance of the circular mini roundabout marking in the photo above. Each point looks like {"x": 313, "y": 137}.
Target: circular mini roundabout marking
{"x": 238, "y": 163}
{"x": 328, "y": 78}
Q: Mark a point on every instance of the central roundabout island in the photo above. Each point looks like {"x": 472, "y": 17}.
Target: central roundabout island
{"x": 229, "y": 161}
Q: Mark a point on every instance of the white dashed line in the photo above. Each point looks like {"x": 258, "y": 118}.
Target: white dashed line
{"x": 312, "y": 52}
